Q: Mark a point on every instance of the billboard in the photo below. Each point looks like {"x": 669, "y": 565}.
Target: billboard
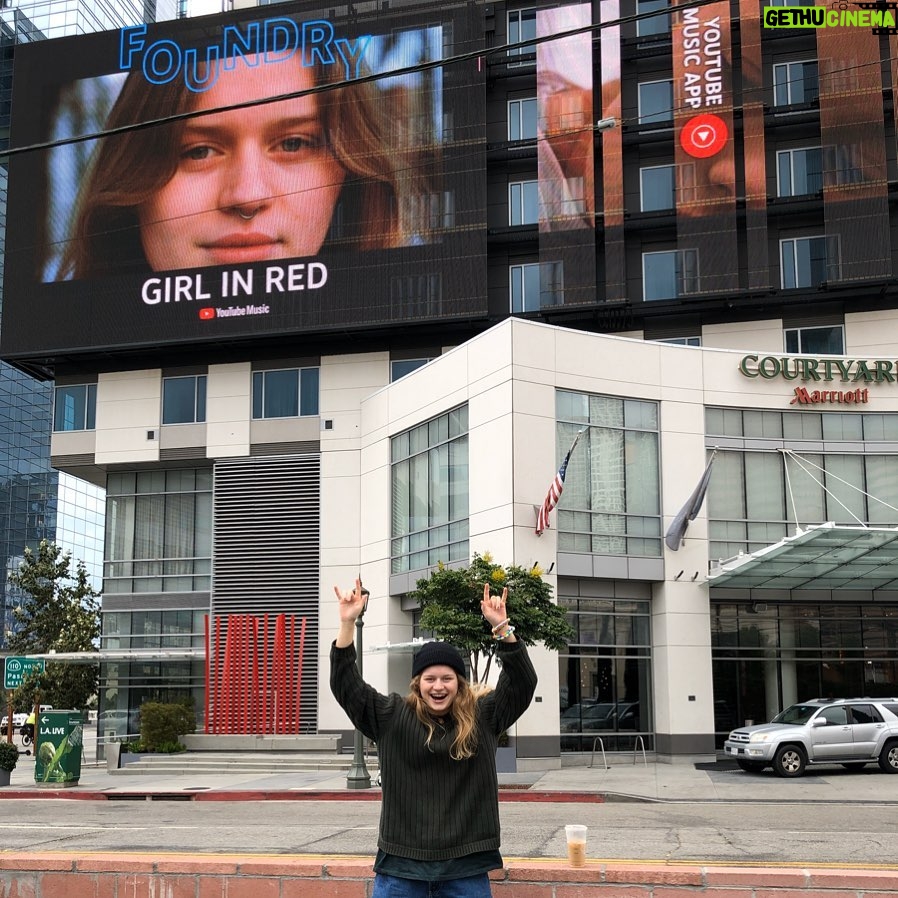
{"x": 273, "y": 172}
{"x": 704, "y": 149}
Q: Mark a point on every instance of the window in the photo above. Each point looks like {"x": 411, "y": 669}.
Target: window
{"x": 536, "y": 285}
{"x": 815, "y": 340}
{"x": 523, "y": 202}
{"x": 401, "y": 367}
{"x": 429, "y": 491}
{"x": 158, "y": 531}
{"x": 756, "y": 498}
{"x": 808, "y": 261}
{"x": 657, "y": 187}
{"x": 521, "y": 27}
{"x": 682, "y": 341}
{"x": 659, "y": 24}
{"x": 605, "y": 672}
{"x": 522, "y": 119}
{"x": 184, "y": 399}
{"x": 75, "y": 408}
{"x": 795, "y": 82}
{"x": 667, "y": 275}
{"x": 655, "y": 102}
{"x": 417, "y": 295}
{"x": 799, "y": 172}
{"x": 288, "y": 393}
{"x": 611, "y": 503}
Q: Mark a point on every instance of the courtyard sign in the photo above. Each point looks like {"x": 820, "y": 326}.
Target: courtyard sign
{"x": 824, "y": 371}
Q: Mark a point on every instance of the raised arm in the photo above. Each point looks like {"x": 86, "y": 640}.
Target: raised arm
{"x": 368, "y": 710}
{"x": 517, "y": 681}
{"x": 351, "y": 603}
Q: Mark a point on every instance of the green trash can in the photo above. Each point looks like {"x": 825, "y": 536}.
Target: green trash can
{"x": 60, "y": 735}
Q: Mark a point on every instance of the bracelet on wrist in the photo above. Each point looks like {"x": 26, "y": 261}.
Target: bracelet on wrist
{"x": 500, "y": 625}
{"x": 509, "y": 630}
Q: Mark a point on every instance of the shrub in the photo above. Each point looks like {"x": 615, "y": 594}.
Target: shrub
{"x": 9, "y": 756}
{"x": 161, "y": 724}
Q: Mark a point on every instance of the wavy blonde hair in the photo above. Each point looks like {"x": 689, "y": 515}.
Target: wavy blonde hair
{"x": 463, "y": 710}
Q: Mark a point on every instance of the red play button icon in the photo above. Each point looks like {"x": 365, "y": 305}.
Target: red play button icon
{"x": 704, "y": 135}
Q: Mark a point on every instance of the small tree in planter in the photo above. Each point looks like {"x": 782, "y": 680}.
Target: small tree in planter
{"x": 9, "y": 757}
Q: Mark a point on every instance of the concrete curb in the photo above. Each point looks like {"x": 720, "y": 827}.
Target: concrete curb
{"x": 274, "y": 795}
{"x": 61, "y": 874}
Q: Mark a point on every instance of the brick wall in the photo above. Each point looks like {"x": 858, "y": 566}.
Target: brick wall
{"x": 113, "y": 875}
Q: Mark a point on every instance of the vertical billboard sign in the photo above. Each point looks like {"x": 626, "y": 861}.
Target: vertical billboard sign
{"x": 614, "y": 260}
{"x": 704, "y": 149}
{"x": 565, "y": 157}
{"x": 275, "y": 171}
{"x": 852, "y": 133}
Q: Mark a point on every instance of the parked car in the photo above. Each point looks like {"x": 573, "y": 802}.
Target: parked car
{"x": 18, "y": 720}
{"x": 600, "y": 716}
{"x": 118, "y": 723}
{"x": 586, "y": 717}
{"x": 850, "y": 732}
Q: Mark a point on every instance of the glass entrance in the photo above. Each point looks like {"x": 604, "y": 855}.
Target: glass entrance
{"x": 767, "y": 656}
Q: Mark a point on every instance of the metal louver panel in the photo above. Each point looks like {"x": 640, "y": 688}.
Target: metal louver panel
{"x": 182, "y": 453}
{"x": 265, "y": 556}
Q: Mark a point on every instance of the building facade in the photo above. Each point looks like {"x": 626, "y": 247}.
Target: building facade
{"x": 712, "y": 277}
{"x": 37, "y": 501}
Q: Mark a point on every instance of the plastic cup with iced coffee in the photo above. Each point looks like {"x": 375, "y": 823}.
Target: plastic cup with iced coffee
{"x": 576, "y": 844}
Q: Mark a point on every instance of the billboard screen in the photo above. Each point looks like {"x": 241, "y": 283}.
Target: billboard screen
{"x": 281, "y": 170}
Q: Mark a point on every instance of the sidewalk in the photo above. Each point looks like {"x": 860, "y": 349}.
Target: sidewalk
{"x": 622, "y": 781}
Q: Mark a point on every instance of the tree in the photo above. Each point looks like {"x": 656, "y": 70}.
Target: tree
{"x": 450, "y": 607}
{"x": 58, "y": 611}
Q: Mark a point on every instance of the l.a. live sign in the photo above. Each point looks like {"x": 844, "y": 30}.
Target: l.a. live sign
{"x": 16, "y": 669}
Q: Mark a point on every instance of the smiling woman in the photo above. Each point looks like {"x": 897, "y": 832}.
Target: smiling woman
{"x": 439, "y": 824}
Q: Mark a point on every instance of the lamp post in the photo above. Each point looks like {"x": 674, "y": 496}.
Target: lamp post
{"x": 358, "y": 776}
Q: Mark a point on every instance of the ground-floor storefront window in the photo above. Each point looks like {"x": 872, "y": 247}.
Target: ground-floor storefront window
{"x": 767, "y": 656}
{"x": 126, "y": 685}
{"x": 605, "y": 676}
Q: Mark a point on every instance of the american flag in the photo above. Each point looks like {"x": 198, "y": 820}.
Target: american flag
{"x": 556, "y": 487}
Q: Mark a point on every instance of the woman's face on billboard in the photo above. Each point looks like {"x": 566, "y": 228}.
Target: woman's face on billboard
{"x": 251, "y": 184}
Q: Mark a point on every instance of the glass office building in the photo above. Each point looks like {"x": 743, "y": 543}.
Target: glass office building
{"x": 37, "y": 502}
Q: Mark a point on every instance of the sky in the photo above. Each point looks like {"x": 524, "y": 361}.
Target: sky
{"x": 204, "y": 7}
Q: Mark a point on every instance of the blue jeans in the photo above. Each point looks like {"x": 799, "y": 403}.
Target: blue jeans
{"x": 394, "y": 887}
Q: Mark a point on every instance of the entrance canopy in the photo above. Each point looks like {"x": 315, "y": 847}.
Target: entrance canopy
{"x": 827, "y": 556}
{"x": 185, "y": 654}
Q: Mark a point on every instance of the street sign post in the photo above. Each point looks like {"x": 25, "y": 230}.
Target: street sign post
{"x": 16, "y": 669}
{"x": 59, "y": 740}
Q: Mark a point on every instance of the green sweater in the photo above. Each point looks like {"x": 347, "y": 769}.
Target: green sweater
{"x": 435, "y": 808}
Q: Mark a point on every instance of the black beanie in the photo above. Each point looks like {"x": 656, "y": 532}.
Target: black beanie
{"x": 438, "y": 653}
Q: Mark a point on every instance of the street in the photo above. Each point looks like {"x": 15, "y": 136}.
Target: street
{"x": 804, "y": 833}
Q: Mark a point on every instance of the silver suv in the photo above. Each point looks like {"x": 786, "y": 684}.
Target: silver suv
{"x": 850, "y": 732}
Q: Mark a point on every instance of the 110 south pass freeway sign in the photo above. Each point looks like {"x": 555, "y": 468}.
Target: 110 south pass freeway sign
{"x": 15, "y": 670}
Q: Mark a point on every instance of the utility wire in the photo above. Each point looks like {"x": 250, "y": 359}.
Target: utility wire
{"x": 322, "y": 88}
{"x": 503, "y": 49}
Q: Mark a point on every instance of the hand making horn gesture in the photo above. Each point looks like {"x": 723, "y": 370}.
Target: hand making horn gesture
{"x": 493, "y": 607}
{"x": 352, "y": 602}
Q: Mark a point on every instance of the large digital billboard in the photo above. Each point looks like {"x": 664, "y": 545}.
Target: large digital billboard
{"x": 278, "y": 171}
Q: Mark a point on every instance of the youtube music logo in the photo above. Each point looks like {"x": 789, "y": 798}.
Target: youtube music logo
{"x": 207, "y": 314}
{"x": 704, "y": 135}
